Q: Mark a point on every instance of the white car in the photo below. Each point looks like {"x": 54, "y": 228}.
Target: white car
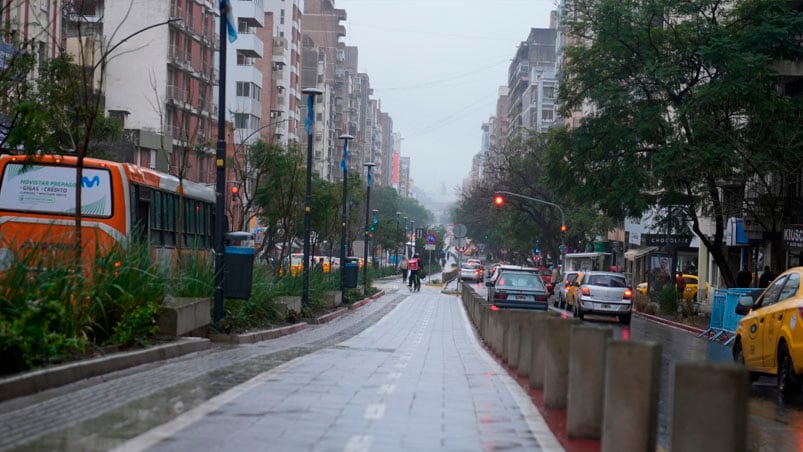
{"x": 603, "y": 293}
{"x": 472, "y": 271}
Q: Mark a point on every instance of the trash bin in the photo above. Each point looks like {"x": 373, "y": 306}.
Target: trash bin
{"x": 239, "y": 267}
{"x": 351, "y": 272}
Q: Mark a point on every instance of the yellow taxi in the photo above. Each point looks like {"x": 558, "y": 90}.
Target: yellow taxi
{"x": 689, "y": 293}
{"x": 769, "y": 338}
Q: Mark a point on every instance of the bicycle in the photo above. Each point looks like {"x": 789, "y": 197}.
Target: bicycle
{"x": 416, "y": 286}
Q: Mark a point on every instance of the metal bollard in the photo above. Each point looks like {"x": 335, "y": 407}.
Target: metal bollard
{"x": 556, "y": 371}
{"x": 586, "y": 381}
{"x": 711, "y": 394}
{"x": 630, "y": 406}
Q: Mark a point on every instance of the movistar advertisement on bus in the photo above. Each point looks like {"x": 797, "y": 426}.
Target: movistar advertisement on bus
{"x": 51, "y": 189}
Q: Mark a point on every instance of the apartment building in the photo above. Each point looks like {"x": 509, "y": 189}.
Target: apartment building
{"x": 286, "y": 66}
{"x": 532, "y": 83}
{"x": 246, "y": 65}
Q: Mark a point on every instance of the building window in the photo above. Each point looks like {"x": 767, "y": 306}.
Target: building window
{"x": 243, "y": 89}
{"x": 548, "y": 115}
{"x": 241, "y": 120}
{"x": 549, "y": 92}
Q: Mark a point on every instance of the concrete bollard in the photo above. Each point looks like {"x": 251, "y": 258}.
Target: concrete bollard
{"x": 537, "y": 349}
{"x": 484, "y": 313}
{"x": 513, "y": 336}
{"x": 525, "y": 343}
{"x": 556, "y": 369}
{"x": 714, "y": 395}
{"x": 586, "y": 381}
{"x": 505, "y": 323}
{"x": 630, "y": 406}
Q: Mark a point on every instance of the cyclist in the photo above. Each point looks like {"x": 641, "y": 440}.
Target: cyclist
{"x": 413, "y": 268}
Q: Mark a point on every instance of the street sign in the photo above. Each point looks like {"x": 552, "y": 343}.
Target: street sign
{"x": 429, "y": 246}
{"x": 564, "y": 249}
{"x": 419, "y": 233}
{"x": 461, "y": 242}
{"x": 459, "y": 230}
{"x": 430, "y": 239}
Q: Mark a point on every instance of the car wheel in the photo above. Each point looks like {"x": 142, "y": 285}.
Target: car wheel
{"x": 738, "y": 357}
{"x": 624, "y": 319}
{"x": 787, "y": 380}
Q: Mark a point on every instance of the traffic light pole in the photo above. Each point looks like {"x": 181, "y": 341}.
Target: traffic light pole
{"x": 562, "y": 220}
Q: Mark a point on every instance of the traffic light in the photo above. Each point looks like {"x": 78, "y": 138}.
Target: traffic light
{"x": 235, "y": 189}
{"x": 499, "y": 201}
{"x": 563, "y": 228}
{"x": 373, "y": 227}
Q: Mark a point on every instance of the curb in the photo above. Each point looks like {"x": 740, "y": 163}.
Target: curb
{"x": 365, "y": 301}
{"x": 663, "y": 321}
{"x": 331, "y": 316}
{"x": 39, "y": 380}
{"x": 258, "y": 336}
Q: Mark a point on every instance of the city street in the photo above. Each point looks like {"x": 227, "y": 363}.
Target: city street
{"x": 404, "y": 372}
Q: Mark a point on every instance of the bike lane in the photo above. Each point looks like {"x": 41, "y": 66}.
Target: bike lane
{"x": 416, "y": 380}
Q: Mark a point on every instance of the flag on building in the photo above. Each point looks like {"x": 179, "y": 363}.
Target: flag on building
{"x": 228, "y": 16}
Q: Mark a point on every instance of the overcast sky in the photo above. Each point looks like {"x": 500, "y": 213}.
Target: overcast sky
{"x": 436, "y": 66}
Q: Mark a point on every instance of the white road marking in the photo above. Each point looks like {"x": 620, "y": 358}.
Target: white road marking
{"x": 359, "y": 443}
{"x": 394, "y": 375}
{"x": 375, "y": 411}
{"x": 165, "y": 431}
{"x": 386, "y": 389}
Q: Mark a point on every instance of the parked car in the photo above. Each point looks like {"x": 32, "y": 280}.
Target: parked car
{"x": 519, "y": 288}
{"x": 546, "y": 277}
{"x": 769, "y": 338}
{"x": 603, "y": 293}
{"x": 565, "y": 289}
{"x": 472, "y": 271}
{"x": 689, "y": 293}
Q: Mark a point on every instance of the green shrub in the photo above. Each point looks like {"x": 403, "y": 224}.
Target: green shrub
{"x": 668, "y": 300}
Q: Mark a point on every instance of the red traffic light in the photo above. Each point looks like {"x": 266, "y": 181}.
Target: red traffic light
{"x": 499, "y": 200}
{"x": 235, "y": 189}
{"x": 563, "y": 228}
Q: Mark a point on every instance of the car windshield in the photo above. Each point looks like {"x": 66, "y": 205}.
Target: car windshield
{"x": 606, "y": 280}
{"x": 519, "y": 280}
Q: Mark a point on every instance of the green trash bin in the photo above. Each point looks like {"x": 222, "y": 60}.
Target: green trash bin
{"x": 351, "y": 272}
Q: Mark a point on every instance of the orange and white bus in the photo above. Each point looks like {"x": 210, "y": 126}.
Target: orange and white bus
{"x": 118, "y": 200}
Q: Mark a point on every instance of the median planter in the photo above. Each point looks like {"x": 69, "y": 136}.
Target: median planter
{"x": 180, "y": 315}
{"x": 287, "y": 304}
{"x": 332, "y": 298}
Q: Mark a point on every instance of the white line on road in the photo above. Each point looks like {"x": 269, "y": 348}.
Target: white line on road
{"x": 359, "y": 443}
{"x": 375, "y": 411}
{"x": 386, "y": 389}
{"x": 394, "y": 375}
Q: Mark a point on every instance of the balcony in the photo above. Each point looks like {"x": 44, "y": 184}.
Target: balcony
{"x": 250, "y": 45}
{"x": 251, "y": 11}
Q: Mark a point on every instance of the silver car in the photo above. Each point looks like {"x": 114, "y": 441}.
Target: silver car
{"x": 473, "y": 271}
{"x": 603, "y": 293}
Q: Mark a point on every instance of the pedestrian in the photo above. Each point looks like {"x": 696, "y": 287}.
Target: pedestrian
{"x": 766, "y": 277}
{"x": 680, "y": 285}
{"x": 414, "y": 268}
{"x": 403, "y": 268}
{"x": 743, "y": 278}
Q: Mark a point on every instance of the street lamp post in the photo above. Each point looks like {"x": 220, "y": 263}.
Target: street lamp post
{"x": 310, "y": 122}
{"x": 375, "y": 238}
{"x": 412, "y": 237}
{"x": 398, "y": 218}
{"x": 344, "y": 215}
{"x": 406, "y": 225}
{"x": 368, "y": 165}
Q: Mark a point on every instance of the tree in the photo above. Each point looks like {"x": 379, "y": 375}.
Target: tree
{"x": 685, "y": 106}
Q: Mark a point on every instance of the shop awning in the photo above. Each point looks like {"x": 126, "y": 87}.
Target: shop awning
{"x": 634, "y": 254}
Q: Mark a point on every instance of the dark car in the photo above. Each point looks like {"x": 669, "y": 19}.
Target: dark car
{"x": 517, "y": 289}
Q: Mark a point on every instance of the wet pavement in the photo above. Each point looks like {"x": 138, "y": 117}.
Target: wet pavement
{"x": 404, "y": 372}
